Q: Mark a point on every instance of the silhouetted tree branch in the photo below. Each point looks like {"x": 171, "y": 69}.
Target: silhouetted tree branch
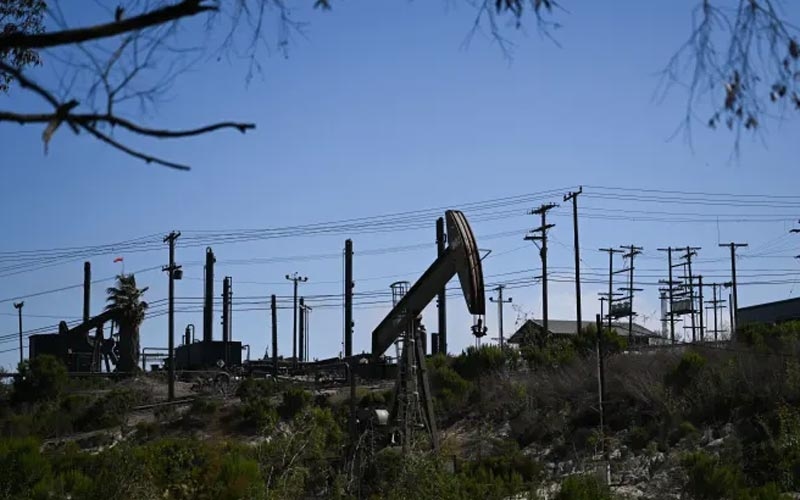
{"x": 157, "y": 17}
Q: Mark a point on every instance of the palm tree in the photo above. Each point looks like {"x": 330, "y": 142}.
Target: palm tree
{"x": 127, "y": 300}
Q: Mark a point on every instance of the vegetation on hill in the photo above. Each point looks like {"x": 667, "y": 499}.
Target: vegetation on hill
{"x": 722, "y": 420}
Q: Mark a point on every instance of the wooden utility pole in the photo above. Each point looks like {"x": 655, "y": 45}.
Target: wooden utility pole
{"x": 601, "y": 380}
{"x": 540, "y": 234}
{"x": 500, "y": 301}
{"x": 18, "y": 306}
{"x": 735, "y": 304}
{"x": 174, "y": 273}
{"x": 302, "y": 332}
{"x": 715, "y": 305}
{"x": 633, "y": 251}
{"x": 295, "y": 278}
{"x": 702, "y": 310}
{"x": 441, "y": 243}
{"x": 691, "y": 252}
{"x": 274, "y": 309}
{"x": 670, "y": 290}
{"x": 574, "y": 197}
{"x": 610, "y": 297}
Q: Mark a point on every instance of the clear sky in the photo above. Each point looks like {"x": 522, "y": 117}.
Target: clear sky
{"x": 380, "y": 109}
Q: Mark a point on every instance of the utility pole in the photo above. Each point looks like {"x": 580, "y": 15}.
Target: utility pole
{"x": 533, "y": 236}
{"x": 610, "y": 298}
{"x": 574, "y": 197}
{"x": 348, "y": 298}
{"x": 302, "y": 335}
{"x": 670, "y": 290}
{"x": 274, "y": 309}
{"x": 702, "y": 327}
{"x": 174, "y": 273}
{"x": 715, "y": 304}
{"x": 691, "y": 252}
{"x": 601, "y": 381}
{"x": 441, "y": 242}
{"x": 735, "y": 304}
{"x": 633, "y": 251}
{"x": 18, "y": 306}
{"x": 306, "y": 311}
{"x": 500, "y": 303}
{"x": 295, "y": 278}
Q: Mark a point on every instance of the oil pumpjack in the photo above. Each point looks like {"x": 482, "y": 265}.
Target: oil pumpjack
{"x": 413, "y": 404}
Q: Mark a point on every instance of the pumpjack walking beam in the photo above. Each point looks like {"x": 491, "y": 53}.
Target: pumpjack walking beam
{"x": 460, "y": 257}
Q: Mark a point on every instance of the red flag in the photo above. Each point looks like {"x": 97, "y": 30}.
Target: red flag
{"x": 118, "y": 259}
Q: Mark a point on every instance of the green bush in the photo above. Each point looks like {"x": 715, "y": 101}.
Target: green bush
{"x": 479, "y": 361}
{"x": 204, "y": 407}
{"x": 450, "y": 391}
{"x": 257, "y": 388}
{"x": 258, "y": 413}
{"x": 583, "y": 487}
{"x": 686, "y": 371}
{"x": 22, "y": 467}
{"x": 111, "y": 410}
{"x": 709, "y": 479}
{"x": 42, "y": 378}
{"x": 294, "y": 401}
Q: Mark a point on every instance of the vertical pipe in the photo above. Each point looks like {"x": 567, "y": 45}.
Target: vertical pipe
{"x": 87, "y": 286}
{"x": 302, "y": 332}
{"x": 348, "y": 298}
{"x": 208, "y": 304}
{"x": 442, "y": 301}
{"x": 274, "y": 309}
{"x": 226, "y": 305}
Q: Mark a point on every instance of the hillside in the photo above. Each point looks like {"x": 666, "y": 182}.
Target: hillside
{"x": 704, "y": 422}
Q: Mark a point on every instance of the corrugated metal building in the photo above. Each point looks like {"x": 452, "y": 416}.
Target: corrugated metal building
{"x": 567, "y": 328}
{"x": 770, "y": 312}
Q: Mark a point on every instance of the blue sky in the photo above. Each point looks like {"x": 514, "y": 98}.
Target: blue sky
{"x": 380, "y": 109}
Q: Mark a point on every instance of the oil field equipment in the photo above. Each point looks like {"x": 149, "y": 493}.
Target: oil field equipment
{"x": 413, "y": 405}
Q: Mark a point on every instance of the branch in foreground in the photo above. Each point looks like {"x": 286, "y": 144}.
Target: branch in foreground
{"x": 185, "y": 8}
{"x": 136, "y": 154}
{"x": 90, "y": 119}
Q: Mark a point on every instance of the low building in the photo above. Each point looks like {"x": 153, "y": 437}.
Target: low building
{"x": 557, "y": 328}
{"x": 770, "y": 313}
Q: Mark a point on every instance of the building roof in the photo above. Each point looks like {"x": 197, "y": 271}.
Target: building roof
{"x": 562, "y": 327}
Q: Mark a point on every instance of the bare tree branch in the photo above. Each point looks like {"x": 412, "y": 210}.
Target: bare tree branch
{"x": 90, "y": 119}
{"x": 185, "y": 8}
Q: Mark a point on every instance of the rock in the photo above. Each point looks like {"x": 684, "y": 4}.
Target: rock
{"x": 716, "y": 443}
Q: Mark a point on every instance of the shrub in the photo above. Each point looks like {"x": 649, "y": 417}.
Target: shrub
{"x": 258, "y": 413}
{"x": 294, "y": 401}
{"x": 450, "y": 390}
{"x": 257, "y": 388}
{"x": 583, "y": 487}
{"x": 709, "y": 479}
{"x": 22, "y": 467}
{"x": 42, "y": 378}
{"x": 686, "y": 371}
{"x": 477, "y": 361}
{"x": 110, "y": 410}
